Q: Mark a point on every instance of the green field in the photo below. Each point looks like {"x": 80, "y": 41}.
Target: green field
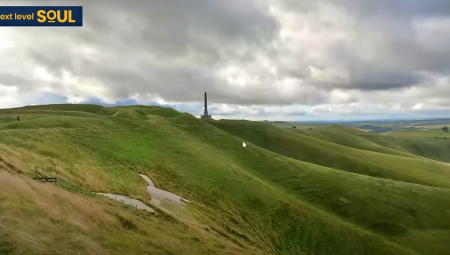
{"x": 289, "y": 124}
{"x": 420, "y": 134}
{"x": 390, "y": 142}
{"x": 400, "y": 125}
{"x": 331, "y": 190}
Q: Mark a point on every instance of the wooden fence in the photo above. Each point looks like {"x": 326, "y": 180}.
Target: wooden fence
{"x": 39, "y": 175}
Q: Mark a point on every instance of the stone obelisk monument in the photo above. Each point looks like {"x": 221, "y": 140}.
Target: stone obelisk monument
{"x": 205, "y": 114}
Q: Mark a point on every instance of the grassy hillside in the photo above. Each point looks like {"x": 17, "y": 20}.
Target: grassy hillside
{"x": 142, "y": 112}
{"x": 420, "y": 134}
{"x": 417, "y": 143}
{"x": 287, "y": 124}
{"x": 61, "y": 109}
{"x": 351, "y": 138}
{"x": 40, "y": 218}
{"x": 254, "y": 200}
{"x": 401, "y": 167}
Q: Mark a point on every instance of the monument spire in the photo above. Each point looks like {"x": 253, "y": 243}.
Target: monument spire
{"x": 206, "y": 105}
{"x": 205, "y": 113}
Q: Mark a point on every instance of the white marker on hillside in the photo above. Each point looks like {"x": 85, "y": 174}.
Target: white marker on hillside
{"x": 243, "y": 144}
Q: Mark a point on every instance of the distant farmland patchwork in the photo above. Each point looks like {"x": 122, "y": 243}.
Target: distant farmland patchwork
{"x": 426, "y": 128}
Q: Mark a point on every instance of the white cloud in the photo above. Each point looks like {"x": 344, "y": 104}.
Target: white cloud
{"x": 8, "y": 96}
{"x": 418, "y": 107}
{"x": 433, "y": 34}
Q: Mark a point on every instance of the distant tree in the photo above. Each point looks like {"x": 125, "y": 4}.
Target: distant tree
{"x": 294, "y": 127}
{"x": 445, "y": 128}
{"x": 310, "y": 128}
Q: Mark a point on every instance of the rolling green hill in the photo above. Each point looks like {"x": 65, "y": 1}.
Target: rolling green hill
{"x": 420, "y": 143}
{"x": 420, "y": 134}
{"x": 400, "y": 166}
{"x": 285, "y": 193}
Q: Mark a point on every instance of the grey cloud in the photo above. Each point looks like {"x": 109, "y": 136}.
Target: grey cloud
{"x": 398, "y": 8}
{"x": 381, "y": 79}
{"x": 371, "y": 75}
{"x": 393, "y": 22}
{"x": 9, "y": 79}
{"x": 49, "y": 98}
{"x": 174, "y": 49}
{"x": 178, "y": 84}
{"x": 173, "y": 28}
{"x": 199, "y": 31}
{"x": 400, "y": 57}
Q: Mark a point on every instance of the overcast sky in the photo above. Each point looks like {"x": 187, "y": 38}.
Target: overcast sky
{"x": 257, "y": 59}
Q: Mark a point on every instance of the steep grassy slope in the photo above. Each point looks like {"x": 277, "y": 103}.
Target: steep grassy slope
{"x": 43, "y": 219}
{"x": 252, "y": 199}
{"x": 407, "y": 167}
{"x": 412, "y": 142}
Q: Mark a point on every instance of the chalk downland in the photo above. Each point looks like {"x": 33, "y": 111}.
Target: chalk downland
{"x": 285, "y": 193}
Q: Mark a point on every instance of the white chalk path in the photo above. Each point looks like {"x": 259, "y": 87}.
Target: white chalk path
{"x": 129, "y": 201}
{"x": 159, "y": 196}
{"x": 162, "y": 199}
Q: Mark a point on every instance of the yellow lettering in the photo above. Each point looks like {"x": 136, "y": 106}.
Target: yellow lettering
{"x": 59, "y": 16}
{"x": 41, "y": 14}
{"x": 51, "y": 19}
{"x": 21, "y": 16}
{"x": 18, "y": 16}
{"x": 70, "y": 17}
